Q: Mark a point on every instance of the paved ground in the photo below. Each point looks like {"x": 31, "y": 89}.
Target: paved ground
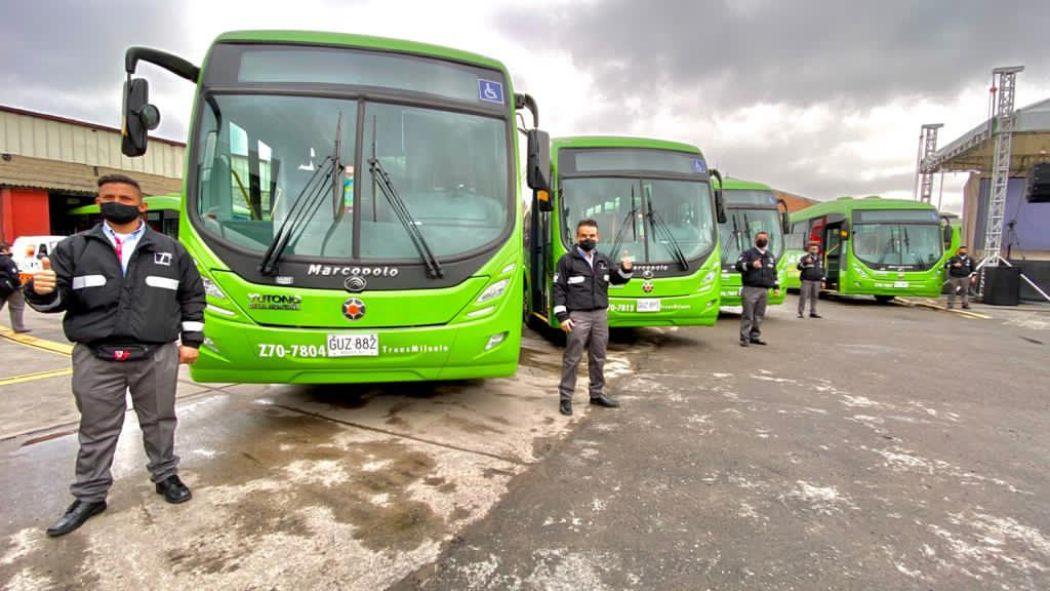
{"x": 859, "y": 451}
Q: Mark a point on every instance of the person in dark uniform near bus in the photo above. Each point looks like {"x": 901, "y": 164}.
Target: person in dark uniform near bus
{"x": 11, "y": 289}
{"x": 811, "y": 266}
{"x": 758, "y": 274}
{"x": 961, "y": 271}
{"x": 581, "y": 301}
{"x": 129, "y": 294}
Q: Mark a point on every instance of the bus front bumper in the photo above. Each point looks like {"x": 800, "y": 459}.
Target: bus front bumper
{"x": 699, "y": 309}
{"x": 248, "y": 353}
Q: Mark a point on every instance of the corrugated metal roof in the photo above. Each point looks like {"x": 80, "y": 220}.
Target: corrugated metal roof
{"x": 973, "y": 150}
{"x": 20, "y": 171}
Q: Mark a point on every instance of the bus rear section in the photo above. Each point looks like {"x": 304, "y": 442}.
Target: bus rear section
{"x": 652, "y": 200}
{"x": 878, "y": 247}
{"x": 750, "y": 208}
{"x": 352, "y": 204}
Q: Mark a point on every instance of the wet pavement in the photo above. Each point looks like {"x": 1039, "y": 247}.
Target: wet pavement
{"x": 883, "y": 447}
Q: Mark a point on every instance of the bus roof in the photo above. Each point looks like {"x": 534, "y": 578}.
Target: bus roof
{"x": 610, "y": 141}
{"x": 845, "y": 205}
{"x": 170, "y": 201}
{"x": 360, "y": 41}
{"x": 735, "y": 184}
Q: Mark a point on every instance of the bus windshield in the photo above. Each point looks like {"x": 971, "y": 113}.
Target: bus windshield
{"x": 898, "y": 246}
{"x": 738, "y": 233}
{"x": 257, "y": 154}
{"x": 681, "y": 215}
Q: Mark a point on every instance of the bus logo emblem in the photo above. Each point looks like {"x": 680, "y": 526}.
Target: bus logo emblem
{"x": 353, "y": 309}
{"x": 647, "y": 287}
{"x": 355, "y": 284}
{"x": 647, "y": 274}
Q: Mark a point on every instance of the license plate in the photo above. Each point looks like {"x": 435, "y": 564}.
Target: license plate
{"x": 353, "y": 345}
{"x": 648, "y": 306}
{"x": 900, "y": 284}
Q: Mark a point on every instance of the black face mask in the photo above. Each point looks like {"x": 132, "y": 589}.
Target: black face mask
{"x": 761, "y": 242}
{"x": 118, "y": 213}
{"x": 588, "y": 245}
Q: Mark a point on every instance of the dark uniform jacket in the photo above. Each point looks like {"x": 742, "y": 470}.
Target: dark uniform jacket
{"x": 159, "y": 300}
{"x": 577, "y": 287}
{"x": 812, "y": 267}
{"x": 766, "y": 276}
{"x": 967, "y": 267}
{"x": 9, "y": 281}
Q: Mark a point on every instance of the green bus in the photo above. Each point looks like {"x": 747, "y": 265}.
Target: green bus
{"x": 750, "y": 208}
{"x": 353, "y": 205}
{"x": 162, "y": 215}
{"x": 652, "y": 199}
{"x": 878, "y": 247}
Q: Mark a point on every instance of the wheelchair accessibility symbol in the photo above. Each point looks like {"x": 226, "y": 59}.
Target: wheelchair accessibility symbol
{"x": 490, "y": 91}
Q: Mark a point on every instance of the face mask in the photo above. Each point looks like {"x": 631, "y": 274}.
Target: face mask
{"x": 962, "y": 254}
{"x": 588, "y": 245}
{"x": 761, "y": 242}
{"x": 118, "y": 213}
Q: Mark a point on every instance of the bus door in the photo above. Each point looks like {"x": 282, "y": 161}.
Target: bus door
{"x": 833, "y": 253}
{"x": 541, "y": 275}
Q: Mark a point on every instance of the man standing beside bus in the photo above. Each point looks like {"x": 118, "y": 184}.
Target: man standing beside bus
{"x": 961, "y": 270}
{"x": 129, "y": 293}
{"x": 811, "y": 276}
{"x": 10, "y": 289}
{"x": 581, "y": 304}
{"x": 758, "y": 274}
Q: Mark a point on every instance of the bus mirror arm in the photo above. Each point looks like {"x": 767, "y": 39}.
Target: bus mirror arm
{"x": 525, "y": 101}
{"x": 172, "y": 63}
{"x": 720, "y": 204}
{"x": 138, "y": 116}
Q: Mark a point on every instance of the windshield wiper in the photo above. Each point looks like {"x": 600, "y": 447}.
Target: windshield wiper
{"x": 304, "y": 207}
{"x": 615, "y": 250}
{"x": 382, "y": 180}
{"x": 658, "y": 225}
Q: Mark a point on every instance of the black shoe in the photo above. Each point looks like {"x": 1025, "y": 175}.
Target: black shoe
{"x": 605, "y": 401}
{"x": 75, "y": 516}
{"x": 565, "y": 408}
{"x": 23, "y": 331}
{"x": 745, "y": 344}
{"x": 758, "y": 342}
{"x": 951, "y": 306}
{"x": 174, "y": 490}
{"x": 800, "y": 314}
{"x": 815, "y": 316}
{"x": 966, "y": 306}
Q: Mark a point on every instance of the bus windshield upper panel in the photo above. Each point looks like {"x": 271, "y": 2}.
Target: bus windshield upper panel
{"x": 897, "y": 239}
{"x": 269, "y": 162}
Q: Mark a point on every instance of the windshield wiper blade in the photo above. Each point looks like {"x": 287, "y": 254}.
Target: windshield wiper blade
{"x": 381, "y": 179}
{"x": 301, "y": 209}
{"x": 615, "y": 250}
{"x": 658, "y": 225}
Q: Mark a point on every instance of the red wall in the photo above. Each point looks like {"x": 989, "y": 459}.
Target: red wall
{"x": 24, "y": 212}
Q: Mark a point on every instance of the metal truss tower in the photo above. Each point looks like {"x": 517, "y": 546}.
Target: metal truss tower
{"x": 927, "y": 146}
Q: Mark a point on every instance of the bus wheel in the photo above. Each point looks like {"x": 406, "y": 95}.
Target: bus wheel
{"x": 883, "y": 299}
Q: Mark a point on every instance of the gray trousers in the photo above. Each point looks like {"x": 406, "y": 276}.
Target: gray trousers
{"x": 810, "y": 291}
{"x": 754, "y": 300}
{"x": 100, "y": 388}
{"x": 591, "y": 331}
{"x": 962, "y": 284}
{"x": 16, "y": 306}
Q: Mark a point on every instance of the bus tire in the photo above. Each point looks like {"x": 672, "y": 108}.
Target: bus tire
{"x": 884, "y": 299}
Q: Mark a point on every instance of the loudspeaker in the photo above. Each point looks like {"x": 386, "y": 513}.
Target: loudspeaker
{"x": 1002, "y": 286}
{"x": 1039, "y": 183}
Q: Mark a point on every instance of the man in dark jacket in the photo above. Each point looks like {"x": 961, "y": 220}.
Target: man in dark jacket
{"x": 129, "y": 293}
{"x": 758, "y": 274}
{"x": 961, "y": 270}
{"x": 581, "y": 302}
{"x": 11, "y": 289}
{"x": 811, "y": 267}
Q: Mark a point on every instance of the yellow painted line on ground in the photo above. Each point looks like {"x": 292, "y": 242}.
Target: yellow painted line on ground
{"x": 40, "y": 375}
{"x": 30, "y": 341}
{"x": 934, "y": 305}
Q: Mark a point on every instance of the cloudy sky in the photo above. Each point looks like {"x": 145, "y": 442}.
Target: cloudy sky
{"x": 818, "y": 97}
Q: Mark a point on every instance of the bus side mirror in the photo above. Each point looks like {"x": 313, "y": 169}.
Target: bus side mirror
{"x": 720, "y": 202}
{"x": 139, "y": 117}
{"x": 538, "y": 164}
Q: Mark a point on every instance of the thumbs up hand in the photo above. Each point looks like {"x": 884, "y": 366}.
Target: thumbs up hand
{"x": 44, "y": 279}
{"x": 627, "y": 261}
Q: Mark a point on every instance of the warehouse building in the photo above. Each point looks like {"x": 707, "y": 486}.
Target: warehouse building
{"x": 49, "y": 165}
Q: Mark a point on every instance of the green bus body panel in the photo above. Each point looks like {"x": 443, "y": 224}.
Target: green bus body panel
{"x": 424, "y": 334}
{"x": 689, "y": 300}
{"x": 171, "y": 202}
{"x": 855, "y": 277}
{"x": 731, "y": 283}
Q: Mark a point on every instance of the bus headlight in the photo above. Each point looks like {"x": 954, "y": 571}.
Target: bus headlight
{"x": 493, "y": 291}
{"x": 213, "y": 290}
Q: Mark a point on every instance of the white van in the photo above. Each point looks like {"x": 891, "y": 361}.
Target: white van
{"x": 27, "y": 250}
